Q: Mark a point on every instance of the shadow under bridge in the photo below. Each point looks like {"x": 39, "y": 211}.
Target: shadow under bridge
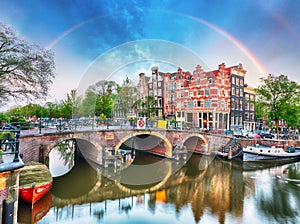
{"x": 154, "y": 143}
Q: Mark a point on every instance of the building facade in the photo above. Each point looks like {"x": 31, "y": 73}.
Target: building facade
{"x": 213, "y": 100}
{"x": 249, "y": 109}
{"x": 237, "y": 77}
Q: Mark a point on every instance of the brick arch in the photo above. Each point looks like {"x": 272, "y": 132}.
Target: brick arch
{"x": 199, "y": 136}
{"x": 154, "y": 133}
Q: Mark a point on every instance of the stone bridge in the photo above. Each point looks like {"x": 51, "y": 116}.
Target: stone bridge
{"x": 36, "y": 147}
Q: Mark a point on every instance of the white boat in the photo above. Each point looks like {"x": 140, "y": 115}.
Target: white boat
{"x": 270, "y": 150}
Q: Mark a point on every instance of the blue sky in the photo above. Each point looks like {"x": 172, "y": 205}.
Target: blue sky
{"x": 109, "y": 39}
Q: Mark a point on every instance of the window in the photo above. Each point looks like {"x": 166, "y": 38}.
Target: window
{"x": 219, "y": 104}
{"x": 198, "y": 92}
{"x": 189, "y": 117}
{"x": 232, "y": 120}
{"x": 198, "y": 103}
{"x": 159, "y": 92}
{"x": 178, "y": 114}
{"x": 198, "y": 82}
{"x": 191, "y": 104}
{"x": 232, "y": 91}
{"x": 191, "y": 93}
{"x": 246, "y": 116}
{"x": 226, "y": 92}
{"x": 207, "y": 104}
{"x": 241, "y": 82}
{"x": 207, "y": 92}
{"x": 225, "y": 104}
{"x": 251, "y": 116}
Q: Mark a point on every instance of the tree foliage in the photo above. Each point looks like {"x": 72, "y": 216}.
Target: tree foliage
{"x": 26, "y": 70}
{"x": 278, "y": 94}
{"x": 125, "y": 98}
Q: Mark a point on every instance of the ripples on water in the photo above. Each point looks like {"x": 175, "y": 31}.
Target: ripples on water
{"x": 204, "y": 190}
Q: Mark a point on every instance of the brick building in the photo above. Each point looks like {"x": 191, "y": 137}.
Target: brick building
{"x": 213, "y": 100}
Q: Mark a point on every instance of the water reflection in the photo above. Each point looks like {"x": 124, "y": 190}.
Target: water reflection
{"x": 61, "y": 158}
{"x": 32, "y": 214}
{"x": 277, "y": 193}
{"x": 203, "y": 190}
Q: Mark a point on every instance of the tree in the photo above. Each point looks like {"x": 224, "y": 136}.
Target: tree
{"x": 70, "y": 106}
{"x": 26, "y": 70}
{"x": 124, "y": 99}
{"x": 88, "y": 104}
{"x": 99, "y": 99}
{"x": 292, "y": 112}
{"x": 104, "y": 105}
{"x": 278, "y": 94}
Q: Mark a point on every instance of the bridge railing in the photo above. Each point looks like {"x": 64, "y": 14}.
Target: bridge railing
{"x": 64, "y": 125}
{"x": 9, "y": 143}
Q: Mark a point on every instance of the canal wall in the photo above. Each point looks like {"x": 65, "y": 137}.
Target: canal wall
{"x": 9, "y": 185}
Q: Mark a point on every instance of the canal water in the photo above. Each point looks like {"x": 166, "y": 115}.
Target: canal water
{"x": 202, "y": 190}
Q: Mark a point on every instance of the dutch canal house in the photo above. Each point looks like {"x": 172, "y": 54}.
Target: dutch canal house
{"x": 213, "y": 100}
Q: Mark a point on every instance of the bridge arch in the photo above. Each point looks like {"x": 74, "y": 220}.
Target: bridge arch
{"x": 167, "y": 142}
{"x": 204, "y": 142}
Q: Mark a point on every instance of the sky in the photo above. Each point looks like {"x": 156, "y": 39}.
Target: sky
{"x": 95, "y": 40}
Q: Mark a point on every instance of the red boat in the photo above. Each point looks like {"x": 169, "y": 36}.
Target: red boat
{"x": 35, "y": 182}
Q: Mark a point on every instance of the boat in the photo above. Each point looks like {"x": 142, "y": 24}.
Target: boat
{"x": 35, "y": 182}
{"x": 268, "y": 150}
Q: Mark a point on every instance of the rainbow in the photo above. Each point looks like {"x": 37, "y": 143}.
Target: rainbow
{"x": 237, "y": 43}
{"x": 232, "y": 39}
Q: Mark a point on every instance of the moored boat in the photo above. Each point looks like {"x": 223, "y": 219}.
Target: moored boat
{"x": 35, "y": 182}
{"x": 270, "y": 150}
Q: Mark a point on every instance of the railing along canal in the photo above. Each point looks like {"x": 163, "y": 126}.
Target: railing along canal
{"x": 9, "y": 147}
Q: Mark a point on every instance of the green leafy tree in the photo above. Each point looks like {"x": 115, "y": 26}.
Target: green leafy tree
{"x": 292, "y": 112}
{"x": 70, "y": 106}
{"x": 275, "y": 94}
{"x": 124, "y": 99}
{"x": 88, "y": 104}
{"x": 3, "y": 119}
{"x": 53, "y": 110}
{"x": 104, "y": 105}
{"x": 99, "y": 99}
{"x": 26, "y": 70}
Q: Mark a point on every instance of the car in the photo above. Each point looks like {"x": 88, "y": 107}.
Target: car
{"x": 267, "y": 135}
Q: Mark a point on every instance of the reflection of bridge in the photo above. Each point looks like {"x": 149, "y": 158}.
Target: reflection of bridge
{"x": 100, "y": 188}
{"x": 36, "y": 147}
